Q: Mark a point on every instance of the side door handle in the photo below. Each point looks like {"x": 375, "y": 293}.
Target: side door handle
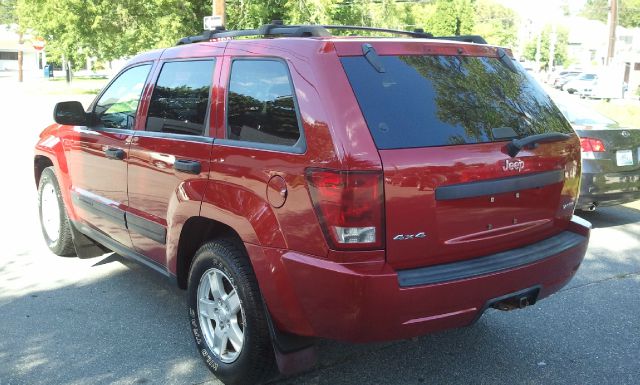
{"x": 114, "y": 153}
{"x": 187, "y": 166}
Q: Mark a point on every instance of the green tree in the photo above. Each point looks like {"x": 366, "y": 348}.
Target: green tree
{"x": 628, "y": 11}
{"x": 496, "y": 23}
{"x": 109, "y": 30}
{"x": 561, "y": 52}
{"x": 309, "y": 11}
{"x": 8, "y": 12}
{"x": 352, "y": 13}
{"x": 242, "y": 14}
{"x": 452, "y": 17}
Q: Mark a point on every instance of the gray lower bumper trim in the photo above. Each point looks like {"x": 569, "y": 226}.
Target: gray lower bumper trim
{"x": 490, "y": 263}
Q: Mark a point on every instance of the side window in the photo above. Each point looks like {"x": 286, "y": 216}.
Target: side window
{"x": 261, "y": 105}
{"x": 118, "y": 105}
{"x": 180, "y": 98}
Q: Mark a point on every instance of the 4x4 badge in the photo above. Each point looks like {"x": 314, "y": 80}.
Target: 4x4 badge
{"x": 510, "y": 165}
{"x": 404, "y": 237}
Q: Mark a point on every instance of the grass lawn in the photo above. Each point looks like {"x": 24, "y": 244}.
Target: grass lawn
{"x": 78, "y": 86}
{"x": 626, "y": 112}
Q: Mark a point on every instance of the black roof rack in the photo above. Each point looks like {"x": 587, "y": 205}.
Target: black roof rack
{"x": 464, "y": 38}
{"x": 278, "y": 28}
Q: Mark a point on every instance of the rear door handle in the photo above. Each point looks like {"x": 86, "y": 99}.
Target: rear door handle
{"x": 114, "y": 153}
{"x": 187, "y": 166}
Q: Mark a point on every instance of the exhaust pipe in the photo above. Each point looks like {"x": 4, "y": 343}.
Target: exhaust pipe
{"x": 592, "y": 206}
{"x": 512, "y": 303}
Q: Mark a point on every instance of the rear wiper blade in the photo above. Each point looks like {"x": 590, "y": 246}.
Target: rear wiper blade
{"x": 514, "y": 147}
{"x": 372, "y": 57}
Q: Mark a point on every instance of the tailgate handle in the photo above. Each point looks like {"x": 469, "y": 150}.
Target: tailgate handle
{"x": 188, "y": 166}
{"x": 514, "y": 147}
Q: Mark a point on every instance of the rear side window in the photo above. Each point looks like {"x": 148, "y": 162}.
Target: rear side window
{"x": 181, "y": 97}
{"x": 423, "y": 101}
{"x": 261, "y": 106}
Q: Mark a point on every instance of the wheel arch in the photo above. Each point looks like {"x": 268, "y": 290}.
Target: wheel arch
{"x": 194, "y": 233}
{"x": 40, "y": 162}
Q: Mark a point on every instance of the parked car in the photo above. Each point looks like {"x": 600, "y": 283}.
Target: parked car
{"x": 564, "y": 79}
{"x": 580, "y": 83}
{"x": 357, "y": 189}
{"x": 609, "y": 85}
{"x": 610, "y": 157}
{"x": 557, "y": 77}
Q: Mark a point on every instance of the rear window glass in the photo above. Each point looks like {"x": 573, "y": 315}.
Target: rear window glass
{"x": 181, "y": 97}
{"x": 261, "y": 106}
{"x": 423, "y": 101}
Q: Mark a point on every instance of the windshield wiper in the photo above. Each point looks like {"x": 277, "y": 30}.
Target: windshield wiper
{"x": 514, "y": 147}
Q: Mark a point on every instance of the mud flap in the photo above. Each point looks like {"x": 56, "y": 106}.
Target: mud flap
{"x": 294, "y": 354}
{"x": 85, "y": 246}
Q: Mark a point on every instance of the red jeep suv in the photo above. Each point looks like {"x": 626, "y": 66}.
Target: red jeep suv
{"x": 303, "y": 185}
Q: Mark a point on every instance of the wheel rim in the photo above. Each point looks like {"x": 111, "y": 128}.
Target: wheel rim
{"x": 221, "y": 315}
{"x": 50, "y": 212}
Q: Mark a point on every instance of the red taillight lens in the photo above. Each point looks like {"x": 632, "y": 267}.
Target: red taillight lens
{"x": 350, "y": 207}
{"x": 591, "y": 145}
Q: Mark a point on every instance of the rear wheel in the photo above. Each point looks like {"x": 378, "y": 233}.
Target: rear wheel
{"x": 54, "y": 222}
{"x": 227, "y": 315}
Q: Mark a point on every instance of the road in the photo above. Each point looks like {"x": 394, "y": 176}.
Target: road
{"x": 105, "y": 320}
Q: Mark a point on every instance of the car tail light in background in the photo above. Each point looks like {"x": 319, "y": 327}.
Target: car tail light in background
{"x": 350, "y": 207}
{"x": 590, "y": 146}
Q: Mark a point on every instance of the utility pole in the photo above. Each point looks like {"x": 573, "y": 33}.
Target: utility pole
{"x": 538, "y": 49}
{"x": 613, "y": 23}
{"x": 552, "y": 45}
{"x": 20, "y": 56}
{"x": 218, "y": 9}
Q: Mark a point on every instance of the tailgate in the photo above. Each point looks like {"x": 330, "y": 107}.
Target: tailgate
{"x": 469, "y": 206}
{"x": 441, "y": 124}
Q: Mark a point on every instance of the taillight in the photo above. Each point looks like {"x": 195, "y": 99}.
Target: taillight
{"x": 591, "y": 145}
{"x": 350, "y": 207}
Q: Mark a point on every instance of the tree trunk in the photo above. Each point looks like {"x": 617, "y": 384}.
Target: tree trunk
{"x": 67, "y": 70}
{"x": 20, "y": 56}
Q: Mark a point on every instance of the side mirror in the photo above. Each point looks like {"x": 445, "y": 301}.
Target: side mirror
{"x": 70, "y": 113}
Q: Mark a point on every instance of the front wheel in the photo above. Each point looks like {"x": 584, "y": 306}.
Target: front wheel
{"x": 54, "y": 222}
{"x": 227, "y": 317}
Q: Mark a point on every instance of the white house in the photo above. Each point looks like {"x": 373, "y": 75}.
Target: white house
{"x": 33, "y": 60}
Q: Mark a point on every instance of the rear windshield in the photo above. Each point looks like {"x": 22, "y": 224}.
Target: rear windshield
{"x": 425, "y": 101}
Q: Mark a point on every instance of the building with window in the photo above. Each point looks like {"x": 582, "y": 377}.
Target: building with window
{"x": 33, "y": 60}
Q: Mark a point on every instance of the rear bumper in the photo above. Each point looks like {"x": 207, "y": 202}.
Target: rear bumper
{"x": 607, "y": 189}
{"x": 364, "y": 302}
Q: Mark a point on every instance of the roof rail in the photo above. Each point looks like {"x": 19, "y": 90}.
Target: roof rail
{"x": 464, "y": 38}
{"x": 278, "y": 28}
{"x": 419, "y": 33}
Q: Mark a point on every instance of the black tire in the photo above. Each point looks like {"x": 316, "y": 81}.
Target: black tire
{"x": 63, "y": 245}
{"x": 255, "y": 362}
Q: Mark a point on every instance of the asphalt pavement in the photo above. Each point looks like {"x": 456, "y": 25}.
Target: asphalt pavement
{"x": 105, "y": 320}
